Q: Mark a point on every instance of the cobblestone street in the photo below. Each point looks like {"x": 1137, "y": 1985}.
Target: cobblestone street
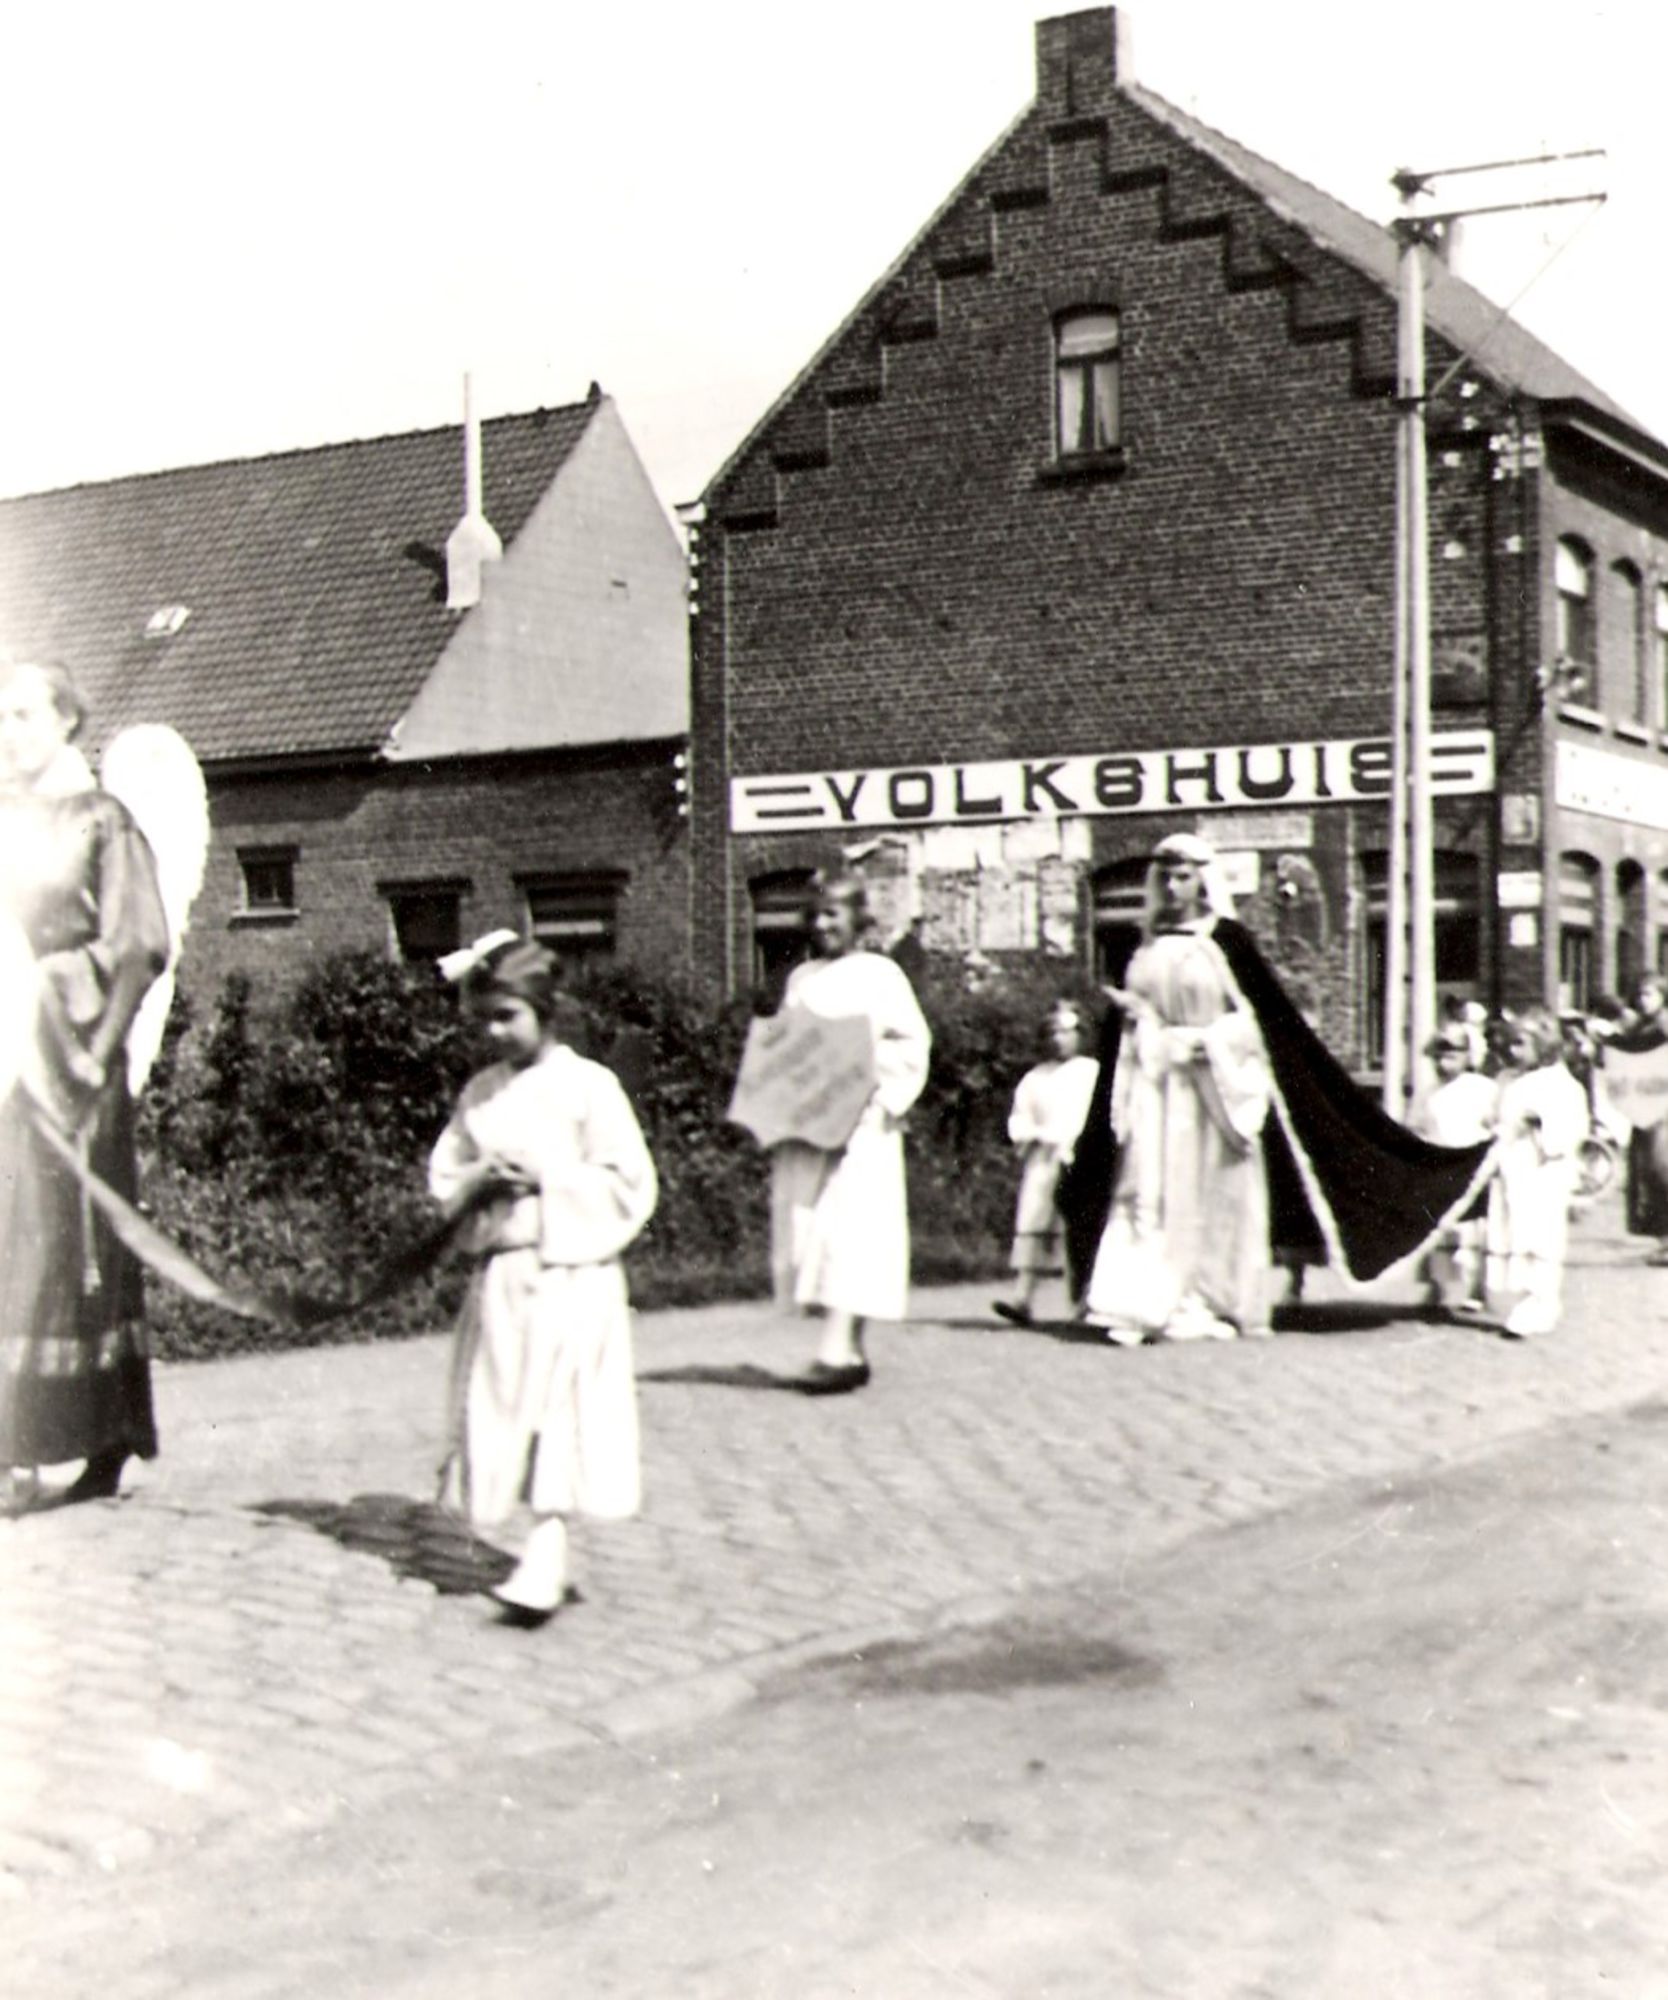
{"x": 271, "y": 1626}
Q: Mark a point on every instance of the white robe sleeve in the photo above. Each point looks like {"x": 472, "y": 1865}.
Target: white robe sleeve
{"x": 455, "y": 1155}
{"x": 1027, "y": 1120}
{"x": 903, "y": 1041}
{"x": 1562, "y": 1108}
{"x": 596, "y": 1198}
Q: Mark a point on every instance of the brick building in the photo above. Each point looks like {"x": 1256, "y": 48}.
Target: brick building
{"x": 386, "y": 767}
{"x": 1080, "y": 530}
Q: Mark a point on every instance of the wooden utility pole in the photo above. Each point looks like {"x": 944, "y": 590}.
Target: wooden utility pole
{"x": 1410, "y": 898}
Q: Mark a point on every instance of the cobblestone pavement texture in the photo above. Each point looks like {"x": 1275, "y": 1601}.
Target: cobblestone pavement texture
{"x": 272, "y": 1623}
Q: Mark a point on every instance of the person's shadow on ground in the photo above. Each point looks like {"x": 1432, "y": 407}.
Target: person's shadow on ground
{"x": 726, "y": 1375}
{"x": 415, "y": 1538}
{"x": 1291, "y": 1316}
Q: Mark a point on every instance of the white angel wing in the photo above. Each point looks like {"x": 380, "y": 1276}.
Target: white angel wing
{"x": 153, "y": 771}
{"x": 17, "y": 1003}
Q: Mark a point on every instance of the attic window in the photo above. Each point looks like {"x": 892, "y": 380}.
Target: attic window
{"x": 1086, "y": 413}
{"x": 166, "y": 620}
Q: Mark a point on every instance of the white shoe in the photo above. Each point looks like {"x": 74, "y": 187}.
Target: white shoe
{"x": 1121, "y": 1333}
{"x": 1193, "y": 1320}
{"x": 535, "y": 1584}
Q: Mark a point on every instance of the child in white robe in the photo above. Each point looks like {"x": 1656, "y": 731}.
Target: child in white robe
{"x": 1049, "y": 1108}
{"x": 839, "y": 1220}
{"x": 545, "y": 1148}
{"x": 1542, "y": 1120}
{"x": 1459, "y": 1110}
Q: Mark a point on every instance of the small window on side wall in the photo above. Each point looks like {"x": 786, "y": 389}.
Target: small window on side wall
{"x": 425, "y": 919}
{"x": 268, "y": 881}
{"x": 577, "y": 916}
{"x": 1088, "y": 415}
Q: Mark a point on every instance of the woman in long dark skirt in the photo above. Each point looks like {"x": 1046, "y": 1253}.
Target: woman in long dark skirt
{"x": 84, "y": 934}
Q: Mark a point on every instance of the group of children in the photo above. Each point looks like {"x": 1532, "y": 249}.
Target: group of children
{"x": 546, "y": 1170}
{"x": 1513, "y": 1089}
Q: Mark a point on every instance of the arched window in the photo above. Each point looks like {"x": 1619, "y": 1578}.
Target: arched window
{"x": 1578, "y": 876}
{"x": 1662, "y": 930}
{"x": 1087, "y": 414}
{"x": 1577, "y": 627}
{"x": 1660, "y": 622}
{"x": 1633, "y": 680}
{"x": 1120, "y": 908}
{"x": 1630, "y": 925}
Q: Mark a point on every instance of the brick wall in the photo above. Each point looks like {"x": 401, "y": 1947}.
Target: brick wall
{"x": 896, "y": 571}
{"x": 479, "y": 821}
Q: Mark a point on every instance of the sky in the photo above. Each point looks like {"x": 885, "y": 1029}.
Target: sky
{"x": 235, "y": 230}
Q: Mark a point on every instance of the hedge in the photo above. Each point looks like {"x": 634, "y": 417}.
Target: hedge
{"x": 285, "y": 1145}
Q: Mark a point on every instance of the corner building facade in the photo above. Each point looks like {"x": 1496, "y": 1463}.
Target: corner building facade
{"x": 1080, "y": 530}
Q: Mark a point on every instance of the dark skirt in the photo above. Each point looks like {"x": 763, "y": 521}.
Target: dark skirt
{"x": 74, "y": 1363}
{"x": 1647, "y": 1182}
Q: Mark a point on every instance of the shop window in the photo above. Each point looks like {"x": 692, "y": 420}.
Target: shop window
{"x": 1630, "y": 617}
{"x": 1578, "y": 876}
{"x": 268, "y": 881}
{"x": 1120, "y": 913}
{"x": 577, "y": 916}
{"x": 1087, "y": 414}
{"x": 1577, "y": 625}
{"x": 425, "y": 919}
{"x": 781, "y": 927}
{"x": 1456, "y": 926}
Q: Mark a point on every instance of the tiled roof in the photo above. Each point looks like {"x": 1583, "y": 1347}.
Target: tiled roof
{"x": 1494, "y": 341}
{"x": 313, "y": 580}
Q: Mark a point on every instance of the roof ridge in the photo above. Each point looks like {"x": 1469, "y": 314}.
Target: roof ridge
{"x": 287, "y": 453}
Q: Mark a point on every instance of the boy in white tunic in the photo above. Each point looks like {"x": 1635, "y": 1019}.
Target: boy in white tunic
{"x": 545, "y": 1148}
{"x": 1049, "y": 1108}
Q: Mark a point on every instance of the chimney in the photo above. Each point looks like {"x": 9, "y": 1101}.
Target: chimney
{"x": 473, "y": 541}
{"x": 1077, "y": 63}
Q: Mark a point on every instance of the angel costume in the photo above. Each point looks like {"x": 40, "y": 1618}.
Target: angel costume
{"x": 1186, "y": 1248}
{"x": 839, "y": 1221}
{"x": 1048, "y": 1111}
{"x": 78, "y": 884}
{"x": 1217, "y": 1103}
{"x": 543, "y": 1403}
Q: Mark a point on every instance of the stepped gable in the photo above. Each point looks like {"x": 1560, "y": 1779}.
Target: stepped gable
{"x": 1277, "y": 231}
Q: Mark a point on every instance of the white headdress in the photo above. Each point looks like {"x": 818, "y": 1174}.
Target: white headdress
{"x": 1219, "y": 900}
{"x": 456, "y": 966}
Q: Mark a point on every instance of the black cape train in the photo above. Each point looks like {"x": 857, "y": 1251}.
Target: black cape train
{"x": 1348, "y": 1186}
